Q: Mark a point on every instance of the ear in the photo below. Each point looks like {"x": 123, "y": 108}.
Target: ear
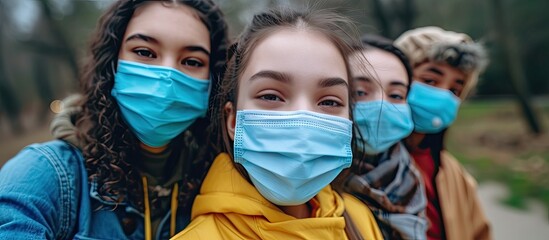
{"x": 230, "y": 118}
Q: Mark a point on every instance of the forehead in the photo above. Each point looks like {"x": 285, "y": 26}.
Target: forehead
{"x": 440, "y": 68}
{"x": 171, "y": 21}
{"x": 163, "y": 10}
{"x": 379, "y": 64}
{"x": 301, "y": 52}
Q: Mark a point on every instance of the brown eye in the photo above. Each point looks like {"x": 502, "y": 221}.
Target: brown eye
{"x": 145, "y": 53}
{"x": 192, "y": 62}
{"x": 396, "y": 96}
{"x": 270, "y": 97}
{"x": 429, "y": 82}
{"x": 330, "y": 103}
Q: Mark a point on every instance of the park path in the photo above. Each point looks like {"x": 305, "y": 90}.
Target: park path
{"x": 510, "y": 223}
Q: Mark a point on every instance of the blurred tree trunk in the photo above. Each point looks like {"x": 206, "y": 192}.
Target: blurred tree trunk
{"x": 61, "y": 47}
{"x": 408, "y": 16}
{"x": 41, "y": 77}
{"x": 395, "y": 18}
{"x": 9, "y": 101}
{"x": 513, "y": 64}
{"x": 381, "y": 18}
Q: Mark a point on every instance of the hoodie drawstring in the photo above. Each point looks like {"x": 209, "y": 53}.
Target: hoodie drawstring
{"x": 175, "y": 193}
{"x": 148, "y": 230}
{"x": 173, "y": 206}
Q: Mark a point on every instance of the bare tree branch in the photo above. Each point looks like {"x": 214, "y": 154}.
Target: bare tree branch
{"x": 60, "y": 38}
{"x": 514, "y": 67}
{"x": 9, "y": 101}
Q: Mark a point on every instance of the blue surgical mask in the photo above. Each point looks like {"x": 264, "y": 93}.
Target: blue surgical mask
{"x": 382, "y": 124}
{"x": 291, "y": 156}
{"x": 158, "y": 103}
{"x": 433, "y": 109}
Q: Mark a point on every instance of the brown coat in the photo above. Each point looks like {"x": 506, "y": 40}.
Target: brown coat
{"x": 461, "y": 211}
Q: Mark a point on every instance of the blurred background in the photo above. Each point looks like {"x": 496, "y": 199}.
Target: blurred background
{"x": 501, "y": 135}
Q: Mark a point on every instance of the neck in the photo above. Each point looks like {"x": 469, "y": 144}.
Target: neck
{"x": 413, "y": 141}
{"x": 153, "y": 149}
{"x": 298, "y": 211}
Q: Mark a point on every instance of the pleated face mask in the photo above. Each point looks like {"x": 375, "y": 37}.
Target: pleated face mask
{"x": 433, "y": 109}
{"x": 291, "y": 155}
{"x": 382, "y": 124}
{"x": 158, "y": 103}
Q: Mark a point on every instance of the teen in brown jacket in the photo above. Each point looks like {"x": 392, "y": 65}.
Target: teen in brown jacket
{"x": 446, "y": 66}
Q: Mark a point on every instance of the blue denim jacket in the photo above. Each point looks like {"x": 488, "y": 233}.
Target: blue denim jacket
{"x": 45, "y": 194}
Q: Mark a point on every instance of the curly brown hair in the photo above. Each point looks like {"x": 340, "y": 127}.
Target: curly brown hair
{"x": 109, "y": 147}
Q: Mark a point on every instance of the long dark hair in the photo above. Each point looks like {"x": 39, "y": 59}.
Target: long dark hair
{"x": 109, "y": 145}
{"x": 362, "y": 160}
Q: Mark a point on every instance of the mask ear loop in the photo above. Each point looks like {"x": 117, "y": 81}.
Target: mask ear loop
{"x": 113, "y": 68}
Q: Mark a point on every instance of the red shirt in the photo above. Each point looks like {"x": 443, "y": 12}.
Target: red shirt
{"x": 426, "y": 165}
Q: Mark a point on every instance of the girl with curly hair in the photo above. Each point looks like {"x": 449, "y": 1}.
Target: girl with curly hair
{"x": 133, "y": 147}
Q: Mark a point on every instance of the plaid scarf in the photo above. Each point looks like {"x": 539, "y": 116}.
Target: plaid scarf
{"x": 392, "y": 187}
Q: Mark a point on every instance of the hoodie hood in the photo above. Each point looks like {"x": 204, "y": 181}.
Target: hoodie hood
{"x": 230, "y": 206}
{"x": 63, "y": 126}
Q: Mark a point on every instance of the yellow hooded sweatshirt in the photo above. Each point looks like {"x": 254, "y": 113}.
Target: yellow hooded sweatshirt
{"x": 229, "y": 207}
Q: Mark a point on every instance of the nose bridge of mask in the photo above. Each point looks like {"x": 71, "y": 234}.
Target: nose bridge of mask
{"x": 271, "y": 126}
{"x": 424, "y": 94}
{"x": 162, "y": 72}
{"x": 165, "y": 73}
{"x": 179, "y": 80}
{"x": 295, "y": 118}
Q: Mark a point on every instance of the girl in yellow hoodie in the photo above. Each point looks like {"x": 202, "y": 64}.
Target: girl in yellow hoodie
{"x": 284, "y": 113}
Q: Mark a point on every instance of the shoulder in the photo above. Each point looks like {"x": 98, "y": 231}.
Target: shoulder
{"x": 39, "y": 188}
{"x": 357, "y": 209}
{"x": 362, "y": 217}
{"x": 455, "y": 171}
{"x": 52, "y": 169}
{"x": 46, "y": 161}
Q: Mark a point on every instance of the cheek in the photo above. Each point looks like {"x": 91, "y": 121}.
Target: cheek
{"x": 202, "y": 73}
{"x": 347, "y": 113}
{"x": 123, "y": 53}
{"x": 245, "y": 96}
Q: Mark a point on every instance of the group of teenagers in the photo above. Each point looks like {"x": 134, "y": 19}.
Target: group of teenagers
{"x": 296, "y": 129}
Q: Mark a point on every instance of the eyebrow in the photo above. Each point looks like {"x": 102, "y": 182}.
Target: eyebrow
{"x": 332, "y": 81}
{"x": 143, "y": 37}
{"x": 278, "y": 76}
{"x": 436, "y": 71}
{"x": 362, "y": 79}
{"x": 197, "y": 49}
{"x": 398, "y": 83}
{"x": 139, "y": 36}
